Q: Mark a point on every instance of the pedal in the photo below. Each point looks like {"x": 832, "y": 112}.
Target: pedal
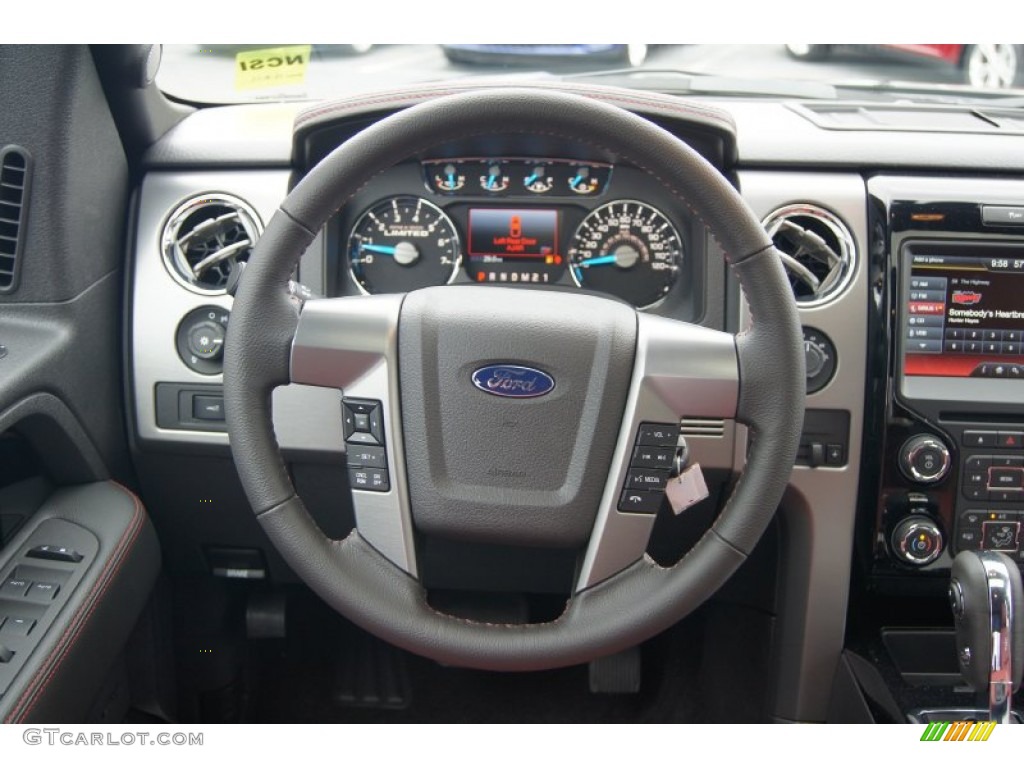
{"x": 369, "y": 672}
{"x": 618, "y": 673}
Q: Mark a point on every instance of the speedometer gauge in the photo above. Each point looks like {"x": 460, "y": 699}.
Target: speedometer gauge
{"x": 401, "y": 244}
{"x": 628, "y": 249}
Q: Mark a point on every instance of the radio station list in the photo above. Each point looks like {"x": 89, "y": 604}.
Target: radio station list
{"x": 963, "y": 317}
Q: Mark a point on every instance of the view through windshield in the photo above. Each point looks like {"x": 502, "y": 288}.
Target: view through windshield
{"x": 275, "y": 72}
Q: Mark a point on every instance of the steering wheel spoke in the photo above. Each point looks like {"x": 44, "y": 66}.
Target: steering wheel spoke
{"x": 351, "y": 344}
{"x": 681, "y": 370}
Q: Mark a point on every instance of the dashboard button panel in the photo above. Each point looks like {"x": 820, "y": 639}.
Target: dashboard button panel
{"x": 364, "y": 438}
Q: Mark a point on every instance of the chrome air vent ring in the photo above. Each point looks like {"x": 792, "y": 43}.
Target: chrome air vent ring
{"x": 817, "y": 250}
{"x": 204, "y": 237}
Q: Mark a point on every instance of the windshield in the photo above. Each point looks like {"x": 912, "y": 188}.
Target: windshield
{"x": 223, "y": 74}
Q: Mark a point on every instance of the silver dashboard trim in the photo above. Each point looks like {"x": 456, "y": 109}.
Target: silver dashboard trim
{"x": 303, "y": 418}
{"x": 818, "y": 510}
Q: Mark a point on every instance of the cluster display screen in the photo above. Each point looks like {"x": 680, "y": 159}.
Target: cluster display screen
{"x": 964, "y": 316}
{"x": 518, "y": 245}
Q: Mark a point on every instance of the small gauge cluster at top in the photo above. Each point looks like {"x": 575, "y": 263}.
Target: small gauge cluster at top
{"x": 507, "y": 176}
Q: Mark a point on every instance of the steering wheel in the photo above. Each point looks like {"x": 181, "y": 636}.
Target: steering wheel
{"x": 545, "y": 470}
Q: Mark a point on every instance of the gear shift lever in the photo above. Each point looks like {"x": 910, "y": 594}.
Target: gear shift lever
{"x": 985, "y": 592}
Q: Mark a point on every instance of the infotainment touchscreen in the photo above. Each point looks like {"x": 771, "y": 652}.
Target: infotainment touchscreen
{"x": 964, "y": 315}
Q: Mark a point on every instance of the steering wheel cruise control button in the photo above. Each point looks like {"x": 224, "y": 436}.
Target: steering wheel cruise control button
{"x": 368, "y": 479}
{"x": 367, "y": 456}
{"x": 364, "y": 435}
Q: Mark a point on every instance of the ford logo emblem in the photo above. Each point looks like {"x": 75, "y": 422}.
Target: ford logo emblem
{"x": 512, "y": 381}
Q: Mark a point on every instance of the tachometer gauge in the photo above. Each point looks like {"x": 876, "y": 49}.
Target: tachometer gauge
{"x": 628, "y": 249}
{"x": 401, "y": 244}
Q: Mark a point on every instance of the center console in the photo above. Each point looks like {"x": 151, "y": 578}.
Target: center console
{"x": 951, "y": 325}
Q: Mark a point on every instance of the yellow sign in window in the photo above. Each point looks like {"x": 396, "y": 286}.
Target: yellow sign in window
{"x": 271, "y": 67}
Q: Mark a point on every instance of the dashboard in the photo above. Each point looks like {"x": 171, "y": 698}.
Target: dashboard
{"x": 907, "y": 262}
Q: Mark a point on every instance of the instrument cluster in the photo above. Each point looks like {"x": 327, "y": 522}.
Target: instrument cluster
{"x": 515, "y": 221}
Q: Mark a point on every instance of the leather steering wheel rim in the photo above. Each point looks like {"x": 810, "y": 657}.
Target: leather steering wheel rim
{"x": 624, "y": 609}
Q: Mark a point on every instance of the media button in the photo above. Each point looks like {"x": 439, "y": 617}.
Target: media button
{"x": 1006, "y": 478}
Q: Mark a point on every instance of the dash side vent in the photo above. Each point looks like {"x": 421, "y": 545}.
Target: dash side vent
{"x": 817, "y": 251}
{"x": 15, "y": 187}
{"x": 205, "y": 237}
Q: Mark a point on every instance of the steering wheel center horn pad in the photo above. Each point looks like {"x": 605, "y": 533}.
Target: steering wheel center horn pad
{"x": 545, "y": 470}
{"x": 527, "y": 471}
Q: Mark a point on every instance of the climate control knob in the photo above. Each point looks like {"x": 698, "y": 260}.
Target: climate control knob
{"x": 924, "y": 459}
{"x": 917, "y": 540}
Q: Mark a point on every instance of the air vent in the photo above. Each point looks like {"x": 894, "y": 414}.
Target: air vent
{"x": 701, "y": 427}
{"x": 205, "y": 237}
{"x": 817, "y": 252}
{"x": 15, "y": 175}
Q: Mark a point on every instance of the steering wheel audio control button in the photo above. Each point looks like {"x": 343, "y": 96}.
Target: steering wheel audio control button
{"x": 647, "y": 479}
{"x": 661, "y": 435}
{"x": 651, "y": 457}
{"x": 648, "y": 502}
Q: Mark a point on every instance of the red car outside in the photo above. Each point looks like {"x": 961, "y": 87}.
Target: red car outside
{"x": 984, "y": 65}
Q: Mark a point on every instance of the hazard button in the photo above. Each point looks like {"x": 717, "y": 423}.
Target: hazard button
{"x": 1011, "y": 439}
